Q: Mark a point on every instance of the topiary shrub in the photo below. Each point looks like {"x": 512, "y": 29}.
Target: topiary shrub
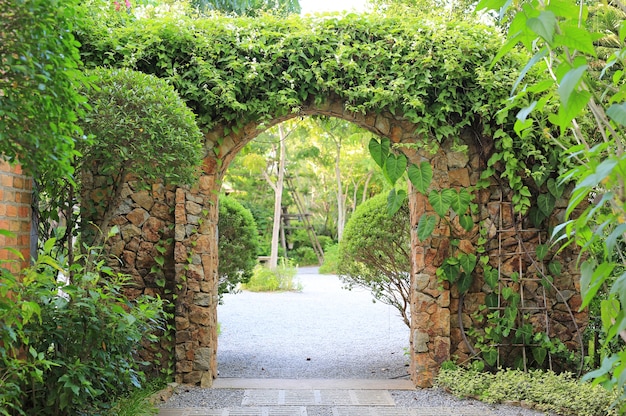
{"x": 140, "y": 127}
{"x": 375, "y": 253}
{"x": 238, "y": 244}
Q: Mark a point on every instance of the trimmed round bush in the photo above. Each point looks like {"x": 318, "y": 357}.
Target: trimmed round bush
{"x": 238, "y": 244}
{"x": 375, "y": 253}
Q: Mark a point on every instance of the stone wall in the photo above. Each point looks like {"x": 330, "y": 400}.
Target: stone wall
{"x": 178, "y": 228}
{"x": 15, "y": 215}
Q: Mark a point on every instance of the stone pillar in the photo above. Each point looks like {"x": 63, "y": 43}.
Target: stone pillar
{"x": 15, "y": 215}
{"x": 430, "y": 301}
{"x": 195, "y": 257}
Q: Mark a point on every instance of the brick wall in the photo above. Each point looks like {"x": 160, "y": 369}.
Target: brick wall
{"x": 15, "y": 213}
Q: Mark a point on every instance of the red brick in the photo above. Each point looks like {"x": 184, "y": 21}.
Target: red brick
{"x": 18, "y": 182}
{"x": 11, "y": 211}
{"x": 3, "y": 209}
{"x": 7, "y": 180}
{"x": 24, "y": 211}
{"x": 4, "y": 224}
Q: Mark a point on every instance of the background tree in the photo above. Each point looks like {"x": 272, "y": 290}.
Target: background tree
{"x": 238, "y": 244}
{"x": 39, "y": 83}
{"x": 375, "y": 253}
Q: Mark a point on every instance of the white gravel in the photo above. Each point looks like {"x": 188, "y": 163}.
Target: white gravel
{"x": 323, "y": 331}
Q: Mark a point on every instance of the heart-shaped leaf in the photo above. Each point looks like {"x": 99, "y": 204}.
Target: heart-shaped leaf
{"x": 546, "y": 203}
{"x": 460, "y": 200}
{"x": 468, "y": 262}
{"x": 420, "y": 176}
{"x": 395, "y": 166}
{"x": 426, "y": 226}
{"x": 464, "y": 283}
{"x": 379, "y": 150}
{"x": 395, "y": 199}
{"x": 491, "y": 276}
{"x": 440, "y": 201}
{"x": 542, "y": 251}
{"x": 466, "y": 222}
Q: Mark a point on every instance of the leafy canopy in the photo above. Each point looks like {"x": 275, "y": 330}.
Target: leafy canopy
{"x": 39, "y": 102}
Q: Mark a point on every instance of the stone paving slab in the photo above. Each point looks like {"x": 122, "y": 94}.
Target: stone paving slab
{"x": 334, "y": 411}
{"x": 317, "y": 398}
{"x": 313, "y": 384}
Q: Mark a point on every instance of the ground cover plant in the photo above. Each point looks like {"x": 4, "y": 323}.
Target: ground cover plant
{"x": 282, "y": 278}
{"x": 537, "y": 389}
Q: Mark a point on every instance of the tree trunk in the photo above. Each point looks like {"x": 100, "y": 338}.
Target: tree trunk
{"x": 341, "y": 203}
{"x": 278, "y": 197}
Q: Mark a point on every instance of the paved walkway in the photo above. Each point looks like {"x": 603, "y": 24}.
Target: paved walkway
{"x": 321, "y": 397}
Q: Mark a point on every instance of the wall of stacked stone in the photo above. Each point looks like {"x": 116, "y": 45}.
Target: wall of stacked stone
{"x": 145, "y": 219}
{"x": 15, "y": 215}
{"x": 512, "y": 241}
{"x": 182, "y": 223}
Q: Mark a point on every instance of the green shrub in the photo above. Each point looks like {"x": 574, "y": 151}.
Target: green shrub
{"x": 542, "y": 390}
{"x": 238, "y": 244}
{"x": 305, "y": 256}
{"x": 375, "y": 253}
{"x": 68, "y": 349}
{"x": 283, "y": 278}
{"x": 331, "y": 259}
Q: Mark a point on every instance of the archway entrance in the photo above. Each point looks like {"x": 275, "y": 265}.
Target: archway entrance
{"x": 425, "y": 86}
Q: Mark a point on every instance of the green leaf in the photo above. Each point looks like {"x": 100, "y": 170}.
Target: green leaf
{"x": 576, "y": 38}
{"x": 536, "y": 216}
{"x": 539, "y": 354}
{"x": 468, "y": 262}
{"x": 490, "y": 356}
{"x": 544, "y": 25}
{"x": 546, "y": 203}
{"x": 395, "y": 199}
{"x": 555, "y": 267}
{"x": 542, "y": 251}
{"x": 420, "y": 176}
{"x": 554, "y": 188}
{"x": 460, "y": 200}
{"x": 491, "y": 277}
{"x": 506, "y": 292}
{"x": 464, "y": 282}
{"x": 426, "y": 226}
{"x": 491, "y": 300}
{"x": 440, "y": 201}
{"x": 617, "y": 113}
{"x": 379, "y": 150}
{"x": 609, "y": 309}
{"x": 569, "y": 83}
{"x": 466, "y": 222}
{"x": 30, "y": 309}
{"x": 395, "y": 166}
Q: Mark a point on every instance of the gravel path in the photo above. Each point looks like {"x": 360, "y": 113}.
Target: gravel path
{"x": 323, "y": 331}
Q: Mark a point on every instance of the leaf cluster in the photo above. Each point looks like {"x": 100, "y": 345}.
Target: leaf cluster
{"x": 39, "y": 99}
{"x": 67, "y": 348}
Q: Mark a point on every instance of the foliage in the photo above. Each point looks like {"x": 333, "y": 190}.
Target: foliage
{"x": 374, "y": 253}
{"x": 238, "y": 244}
{"x": 585, "y": 90}
{"x": 280, "y": 279}
{"x": 331, "y": 259}
{"x": 541, "y": 390}
{"x": 40, "y": 103}
{"x": 69, "y": 348}
{"x": 136, "y": 117}
{"x": 232, "y": 72}
{"x": 139, "y": 401}
{"x": 250, "y": 7}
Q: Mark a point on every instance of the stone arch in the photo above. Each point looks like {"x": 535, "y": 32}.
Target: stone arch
{"x": 230, "y": 117}
{"x": 196, "y": 308}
